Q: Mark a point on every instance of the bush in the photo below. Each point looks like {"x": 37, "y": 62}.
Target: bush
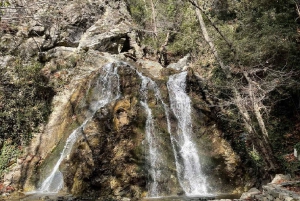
{"x": 25, "y": 102}
{"x": 8, "y": 156}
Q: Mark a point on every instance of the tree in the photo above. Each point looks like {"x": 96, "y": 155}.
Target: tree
{"x": 250, "y": 88}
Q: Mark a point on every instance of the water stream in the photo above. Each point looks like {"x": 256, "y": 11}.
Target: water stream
{"x": 186, "y": 157}
{"x": 105, "y": 91}
{"x": 188, "y": 164}
{"x": 155, "y": 154}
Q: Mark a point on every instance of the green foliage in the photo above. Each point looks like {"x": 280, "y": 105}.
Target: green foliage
{"x": 138, "y": 11}
{"x": 8, "y": 156}
{"x": 262, "y": 32}
{"x": 187, "y": 37}
{"x": 290, "y": 166}
{"x": 256, "y": 158}
{"x": 24, "y": 103}
{"x": 172, "y": 16}
{"x": 297, "y": 146}
{"x": 3, "y": 4}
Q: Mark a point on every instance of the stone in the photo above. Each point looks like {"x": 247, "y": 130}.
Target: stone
{"x": 122, "y": 113}
{"x": 180, "y": 193}
{"x": 138, "y": 52}
{"x": 36, "y": 31}
{"x": 107, "y": 33}
{"x": 259, "y": 197}
{"x": 4, "y": 60}
{"x": 274, "y": 193}
{"x": 152, "y": 68}
{"x": 280, "y": 178}
{"x": 182, "y": 64}
{"x": 289, "y": 199}
{"x": 270, "y": 197}
{"x": 250, "y": 193}
{"x": 282, "y": 195}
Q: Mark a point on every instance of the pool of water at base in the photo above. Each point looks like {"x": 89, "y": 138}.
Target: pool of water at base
{"x": 65, "y": 197}
{"x": 194, "y": 198}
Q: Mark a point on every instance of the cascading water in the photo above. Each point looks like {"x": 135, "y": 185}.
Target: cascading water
{"x": 186, "y": 158}
{"x": 154, "y": 153}
{"x": 105, "y": 91}
{"x": 188, "y": 165}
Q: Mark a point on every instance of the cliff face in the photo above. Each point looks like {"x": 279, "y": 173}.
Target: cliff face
{"x": 71, "y": 42}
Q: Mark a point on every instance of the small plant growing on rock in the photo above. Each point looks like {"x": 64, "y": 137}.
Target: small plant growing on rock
{"x": 297, "y": 147}
{"x": 8, "y": 156}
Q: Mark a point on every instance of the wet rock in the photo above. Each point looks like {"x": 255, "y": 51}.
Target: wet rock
{"x": 122, "y": 113}
{"x": 180, "y": 193}
{"x": 219, "y": 160}
{"x": 105, "y": 156}
{"x": 74, "y": 41}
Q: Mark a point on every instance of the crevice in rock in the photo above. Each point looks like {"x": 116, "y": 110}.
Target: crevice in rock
{"x": 126, "y": 45}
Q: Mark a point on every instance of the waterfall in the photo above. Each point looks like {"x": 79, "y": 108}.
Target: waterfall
{"x": 154, "y": 153}
{"x": 105, "y": 91}
{"x": 187, "y": 162}
{"x": 157, "y": 164}
{"x": 188, "y": 165}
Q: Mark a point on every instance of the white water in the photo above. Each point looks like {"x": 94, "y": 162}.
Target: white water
{"x": 105, "y": 91}
{"x": 186, "y": 157}
{"x": 154, "y": 154}
{"x": 188, "y": 165}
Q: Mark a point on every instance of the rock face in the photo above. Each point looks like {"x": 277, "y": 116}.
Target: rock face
{"x": 109, "y": 159}
{"x": 221, "y": 163}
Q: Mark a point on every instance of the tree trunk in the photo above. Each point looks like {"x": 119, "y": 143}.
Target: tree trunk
{"x": 263, "y": 146}
{"x": 256, "y": 107}
{"x": 205, "y": 34}
{"x": 153, "y": 18}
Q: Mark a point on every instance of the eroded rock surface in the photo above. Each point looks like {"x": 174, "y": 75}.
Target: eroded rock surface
{"x": 110, "y": 157}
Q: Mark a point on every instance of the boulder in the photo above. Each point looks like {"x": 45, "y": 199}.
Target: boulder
{"x": 250, "y": 193}
{"x": 280, "y": 178}
{"x": 182, "y": 64}
{"x": 108, "y": 34}
{"x": 152, "y": 68}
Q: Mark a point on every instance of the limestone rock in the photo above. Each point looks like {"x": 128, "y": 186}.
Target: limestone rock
{"x": 280, "y": 178}
{"x": 31, "y": 47}
{"x": 4, "y": 60}
{"x": 250, "y": 193}
{"x": 151, "y": 67}
{"x": 108, "y": 34}
{"x": 107, "y": 153}
{"x": 182, "y": 64}
{"x": 122, "y": 113}
{"x": 73, "y": 41}
{"x": 36, "y": 30}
